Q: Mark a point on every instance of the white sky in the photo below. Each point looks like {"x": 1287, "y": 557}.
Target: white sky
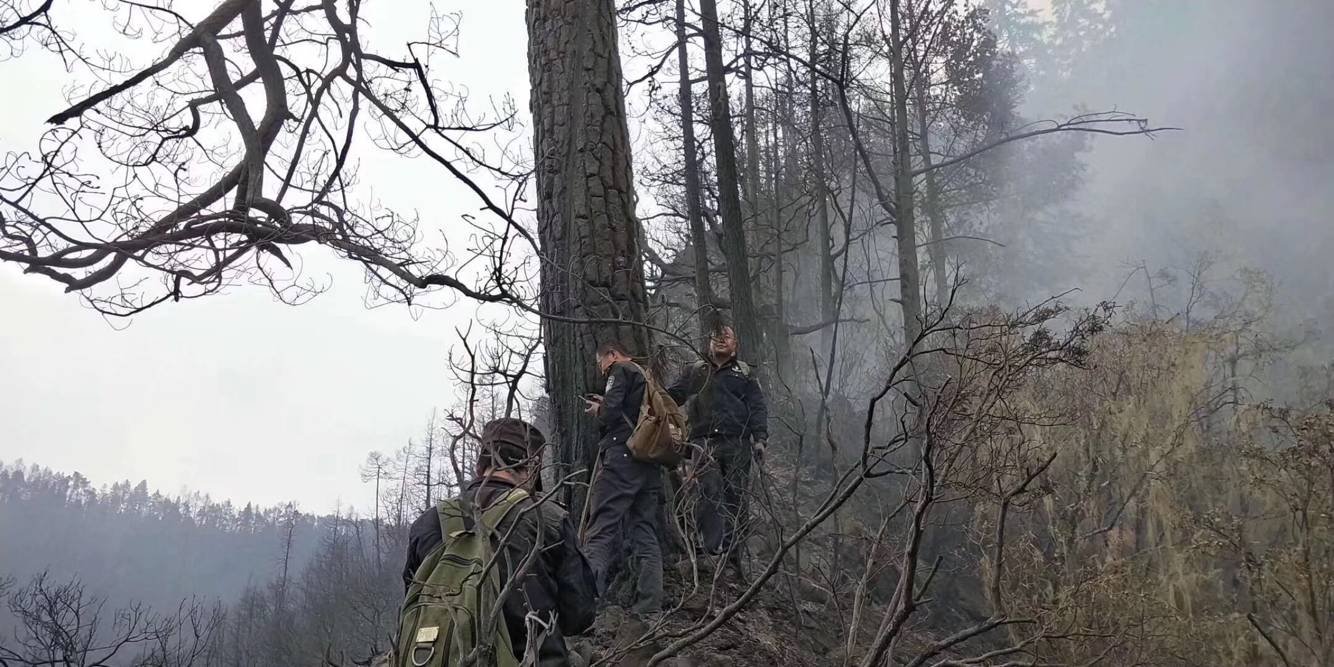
{"x": 237, "y": 395}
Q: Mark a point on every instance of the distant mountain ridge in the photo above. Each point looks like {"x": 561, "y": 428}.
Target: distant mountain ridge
{"x": 129, "y": 543}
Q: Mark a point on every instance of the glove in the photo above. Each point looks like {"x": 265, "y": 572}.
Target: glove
{"x": 759, "y": 446}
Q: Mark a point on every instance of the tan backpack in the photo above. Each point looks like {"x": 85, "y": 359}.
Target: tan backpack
{"x": 660, "y": 434}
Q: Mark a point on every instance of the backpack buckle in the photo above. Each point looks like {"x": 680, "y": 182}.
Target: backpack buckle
{"x": 419, "y": 660}
{"x": 425, "y": 646}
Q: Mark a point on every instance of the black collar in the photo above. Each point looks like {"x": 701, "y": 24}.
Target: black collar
{"x": 731, "y": 361}
{"x": 490, "y": 481}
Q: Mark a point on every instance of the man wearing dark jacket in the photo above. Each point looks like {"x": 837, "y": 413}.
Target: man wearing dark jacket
{"x": 730, "y": 421}
{"x": 626, "y": 492}
{"x": 558, "y": 584}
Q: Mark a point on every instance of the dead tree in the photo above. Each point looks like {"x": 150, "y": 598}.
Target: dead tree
{"x": 707, "y": 313}
{"x": 592, "y": 265}
{"x": 63, "y": 625}
{"x": 211, "y": 165}
{"x": 375, "y": 469}
{"x": 729, "y": 197}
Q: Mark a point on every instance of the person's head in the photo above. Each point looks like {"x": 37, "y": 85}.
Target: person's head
{"x": 609, "y": 353}
{"x": 511, "y": 449}
{"x": 723, "y": 344}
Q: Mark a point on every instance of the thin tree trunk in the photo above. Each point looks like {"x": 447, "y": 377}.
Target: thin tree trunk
{"x": 936, "y": 248}
{"x": 403, "y": 483}
{"x": 281, "y": 602}
{"x": 430, "y": 459}
{"x": 910, "y": 291}
{"x": 758, "y": 199}
{"x": 707, "y": 314}
{"x": 819, "y": 195}
{"x": 779, "y": 173}
{"x": 379, "y": 564}
{"x": 729, "y": 201}
{"x": 752, "y": 126}
{"x": 592, "y": 267}
{"x": 754, "y": 197}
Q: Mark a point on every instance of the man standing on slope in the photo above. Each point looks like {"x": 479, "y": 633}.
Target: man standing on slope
{"x": 535, "y": 541}
{"x": 626, "y": 491}
{"x": 730, "y": 421}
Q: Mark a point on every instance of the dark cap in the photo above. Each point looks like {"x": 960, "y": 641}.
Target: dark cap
{"x": 509, "y": 441}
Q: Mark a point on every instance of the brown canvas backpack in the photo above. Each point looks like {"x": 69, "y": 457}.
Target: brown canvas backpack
{"x": 660, "y": 434}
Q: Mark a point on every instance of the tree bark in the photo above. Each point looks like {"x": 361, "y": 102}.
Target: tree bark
{"x": 729, "y": 199}
{"x": 752, "y": 127}
{"x": 592, "y": 270}
{"x": 819, "y": 195}
{"x": 910, "y": 278}
{"x": 934, "y": 214}
{"x": 706, "y": 314}
{"x": 781, "y": 177}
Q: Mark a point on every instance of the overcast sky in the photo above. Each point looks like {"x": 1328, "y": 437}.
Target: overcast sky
{"x": 237, "y": 395}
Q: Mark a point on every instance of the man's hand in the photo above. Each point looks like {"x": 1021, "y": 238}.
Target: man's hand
{"x": 593, "y": 404}
{"x": 759, "y": 446}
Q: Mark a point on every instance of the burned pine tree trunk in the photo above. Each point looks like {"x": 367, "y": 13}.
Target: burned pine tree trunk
{"x": 729, "y": 199}
{"x": 824, "y": 237}
{"x": 707, "y": 312}
{"x": 591, "y": 270}
{"x": 754, "y": 196}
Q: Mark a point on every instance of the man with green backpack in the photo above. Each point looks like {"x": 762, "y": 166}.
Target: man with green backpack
{"x": 495, "y": 574}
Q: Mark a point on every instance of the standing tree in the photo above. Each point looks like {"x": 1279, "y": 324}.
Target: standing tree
{"x": 592, "y": 268}
{"x": 375, "y": 469}
{"x": 707, "y": 314}
{"x": 729, "y": 197}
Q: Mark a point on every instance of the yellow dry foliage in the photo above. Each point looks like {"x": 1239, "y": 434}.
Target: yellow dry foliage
{"x": 1174, "y": 526}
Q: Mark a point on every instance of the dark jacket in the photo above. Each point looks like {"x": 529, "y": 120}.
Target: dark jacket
{"x": 559, "y": 581}
{"x": 728, "y": 401}
{"x": 622, "y": 399}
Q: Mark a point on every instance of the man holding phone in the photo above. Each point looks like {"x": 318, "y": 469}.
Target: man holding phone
{"x": 626, "y": 491}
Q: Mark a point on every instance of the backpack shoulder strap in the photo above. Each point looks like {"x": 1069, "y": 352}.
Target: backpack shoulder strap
{"x": 639, "y": 368}
{"x": 453, "y": 513}
{"x": 499, "y": 510}
{"x": 743, "y": 367}
{"x": 456, "y": 513}
{"x": 649, "y": 385}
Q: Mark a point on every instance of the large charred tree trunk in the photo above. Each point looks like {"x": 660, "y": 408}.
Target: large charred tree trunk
{"x": 592, "y": 271}
{"x": 707, "y": 313}
{"x": 729, "y": 199}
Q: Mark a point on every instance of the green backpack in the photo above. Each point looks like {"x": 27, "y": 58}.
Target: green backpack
{"x": 450, "y": 602}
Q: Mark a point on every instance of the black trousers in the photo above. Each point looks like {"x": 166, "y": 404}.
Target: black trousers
{"x": 622, "y": 523}
{"x": 724, "y": 481}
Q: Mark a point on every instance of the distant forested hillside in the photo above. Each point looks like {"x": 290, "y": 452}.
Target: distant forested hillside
{"x": 129, "y": 542}
{"x": 255, "y": 585}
